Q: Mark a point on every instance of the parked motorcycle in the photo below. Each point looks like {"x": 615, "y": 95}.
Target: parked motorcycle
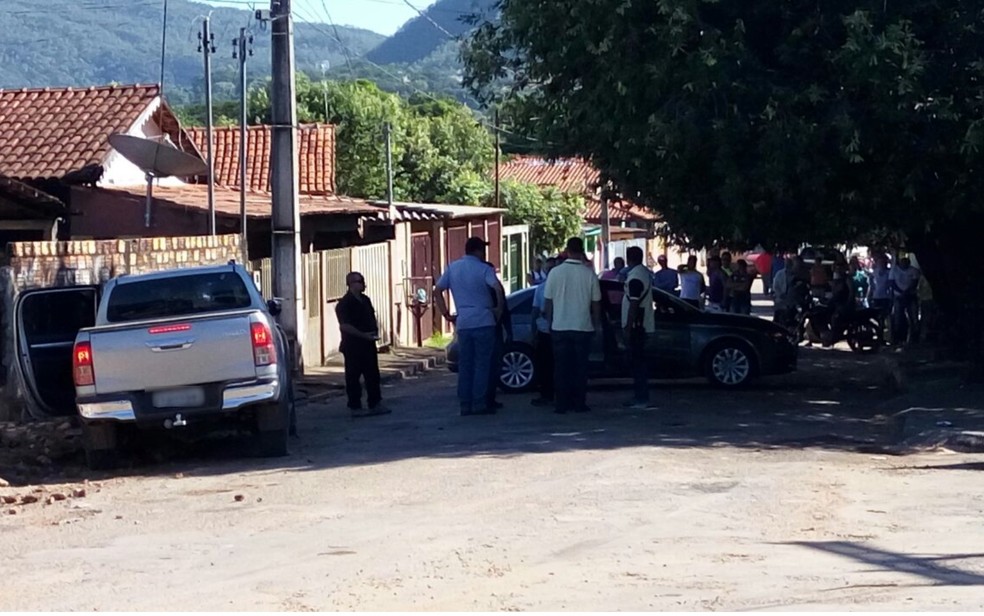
{"x": 814, "y": 321}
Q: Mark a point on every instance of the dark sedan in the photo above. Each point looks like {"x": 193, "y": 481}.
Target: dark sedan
{"x": 730, "y": 350}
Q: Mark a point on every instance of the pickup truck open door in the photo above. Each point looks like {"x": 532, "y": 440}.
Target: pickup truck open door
{"x": 46, "y": 322}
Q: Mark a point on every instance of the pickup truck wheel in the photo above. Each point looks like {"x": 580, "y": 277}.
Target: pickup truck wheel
{"x": 100, "y": 443}
{"x": 273, "y": 429}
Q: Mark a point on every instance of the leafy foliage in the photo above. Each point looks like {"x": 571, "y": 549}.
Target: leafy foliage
{"x": 762, "y": 121}
{"x": 441, "y": 152}
{"x": 757, "y": 121}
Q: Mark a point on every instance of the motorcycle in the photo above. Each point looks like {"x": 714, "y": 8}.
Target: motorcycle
{"x": 814, "y": 321}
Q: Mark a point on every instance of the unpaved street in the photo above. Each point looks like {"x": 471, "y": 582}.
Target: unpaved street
{"x": 778, "y": 497}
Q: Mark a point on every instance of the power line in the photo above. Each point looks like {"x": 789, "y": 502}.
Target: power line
{"x": 416, "y": 90}
{"x": 432, "y": 22}
{"x": 348, "y": 60}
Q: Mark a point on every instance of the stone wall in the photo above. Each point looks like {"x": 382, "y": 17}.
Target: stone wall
{"x": 31, "y": 265}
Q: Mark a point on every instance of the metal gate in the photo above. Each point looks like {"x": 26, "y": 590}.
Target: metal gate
{"x": 373, "y": 262}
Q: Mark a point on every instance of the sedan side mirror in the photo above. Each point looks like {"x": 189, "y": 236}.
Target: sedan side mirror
{"x": 275, "y": 306}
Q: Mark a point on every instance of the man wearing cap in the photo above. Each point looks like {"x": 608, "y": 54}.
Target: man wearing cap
{"x": 478, "y": 299}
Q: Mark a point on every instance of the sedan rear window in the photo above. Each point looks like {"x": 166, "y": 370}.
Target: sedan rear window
{"x": 177, "y": 296}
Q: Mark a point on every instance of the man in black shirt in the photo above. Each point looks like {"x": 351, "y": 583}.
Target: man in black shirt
{"x": 357, "y": 323}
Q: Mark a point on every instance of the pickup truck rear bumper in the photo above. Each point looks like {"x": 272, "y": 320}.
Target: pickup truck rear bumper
{"x": 133, "y": 407}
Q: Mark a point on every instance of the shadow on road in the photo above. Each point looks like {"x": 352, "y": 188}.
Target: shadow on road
{"x": 927, "y": 567}
{"x": 837, "y": 401}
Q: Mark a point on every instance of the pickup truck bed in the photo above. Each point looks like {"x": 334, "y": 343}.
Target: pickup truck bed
{"x": 182, "y": 347}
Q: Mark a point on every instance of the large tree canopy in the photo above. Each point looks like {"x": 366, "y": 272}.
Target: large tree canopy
{"x": 761, "y": 121}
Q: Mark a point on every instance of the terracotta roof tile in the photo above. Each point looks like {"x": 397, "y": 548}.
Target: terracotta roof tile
{"x": 316, "y": 157}
{"x": 567, "y": 175}
{"x": 51, "y": 132}
{"x": 258, "y": 204}
{"x": 618, "y": 212}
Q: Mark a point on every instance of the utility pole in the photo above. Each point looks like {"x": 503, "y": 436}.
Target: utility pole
{"x": 606, "y": 229}
{"x": 206, "y": 45}
{"x": 496, "y": 125}
{"x": 388, "y": 136}
{"x": 243, "y": 48}
{"x": 286, "y": 220}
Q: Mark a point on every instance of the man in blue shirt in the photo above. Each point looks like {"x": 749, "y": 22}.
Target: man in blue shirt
{"x": 666, "y": 279}
{"x": 472, "y": 283}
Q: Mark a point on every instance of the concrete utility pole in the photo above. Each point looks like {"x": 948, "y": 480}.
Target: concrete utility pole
{"x": 497, "y": 144}
{"x": 241, "y": 50}
{"x": 388, "y": 136}
{"x": 206, "y": 45}
{"x": 286, "y": 220}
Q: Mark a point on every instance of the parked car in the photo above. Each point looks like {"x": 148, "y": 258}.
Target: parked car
{"x": 730, "y": 350}
{"x": 169, "y": 350}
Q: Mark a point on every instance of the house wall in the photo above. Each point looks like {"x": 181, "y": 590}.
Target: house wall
{"x": 112, "y": 215}
{"x": 118, "y": 171}
{"x": 31, "y": 265}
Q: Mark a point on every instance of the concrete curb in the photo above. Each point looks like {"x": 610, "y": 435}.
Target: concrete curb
{"x": 393, "y": 367}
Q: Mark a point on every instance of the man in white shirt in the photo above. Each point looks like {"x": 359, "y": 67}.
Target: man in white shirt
{"x": 784, "y": 300}
{"x": 905, "y": 309}
{"x": 880, "y": 289}
{"x": 692, "y": 283}
{"x": 543, "y": 345}
{"x": 638, "y": 323}
{"x": 572, "y": 303}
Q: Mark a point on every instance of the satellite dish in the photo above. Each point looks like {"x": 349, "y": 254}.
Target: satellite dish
{"x": 157, "y": 159}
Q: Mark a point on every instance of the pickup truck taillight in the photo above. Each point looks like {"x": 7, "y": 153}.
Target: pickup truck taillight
{"x": 82, "y": 365}
{"x": 264, "y": 353}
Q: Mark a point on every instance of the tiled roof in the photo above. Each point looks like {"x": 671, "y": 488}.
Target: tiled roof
{"x": 258, "y": 204}
{"x": 23, "y": 197}
{"x": 48, "y": 133}
{"x": 618, "y": 212}
{"x": 316, "y": 149}
{"x": 567, "y": 175}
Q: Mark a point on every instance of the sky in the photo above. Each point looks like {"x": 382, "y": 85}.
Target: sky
{"x": 382, "y": 16}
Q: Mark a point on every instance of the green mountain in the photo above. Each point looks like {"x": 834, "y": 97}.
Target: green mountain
{"x": 95, "y": 42}
{"x": 442, "y": 22}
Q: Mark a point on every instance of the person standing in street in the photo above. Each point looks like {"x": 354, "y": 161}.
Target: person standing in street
{"x": 666, "y": 279}
{"x": 473, "y": 284}
{"x": 360, "y": 331}
{"x": 638, "y": 323}
{"x": 543, "y": 346}
{"x": 692, "y": 285}
{"x": 572, "y": 304}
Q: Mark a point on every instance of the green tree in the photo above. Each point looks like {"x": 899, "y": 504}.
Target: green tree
{"x": 440, "y": 149}
{"x": 553, "y": 216}
{"x": 765, "y": 122}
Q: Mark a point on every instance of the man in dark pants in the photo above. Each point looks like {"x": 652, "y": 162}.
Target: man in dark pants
{"x": 357, "y": 323}
{"x": 572, "y": 305}
{"x": 638, "y": 322}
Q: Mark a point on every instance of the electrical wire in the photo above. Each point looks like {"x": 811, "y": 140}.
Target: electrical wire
{"x": 432, "y": 22}
{"x": 348, "y": 59}
{"x": 392, "y": 75}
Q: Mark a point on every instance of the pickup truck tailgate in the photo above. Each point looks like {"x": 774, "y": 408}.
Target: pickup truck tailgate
{"x": 175, "y": 354}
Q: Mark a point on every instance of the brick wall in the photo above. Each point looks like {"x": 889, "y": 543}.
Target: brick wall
{"x": 31, "y": 265}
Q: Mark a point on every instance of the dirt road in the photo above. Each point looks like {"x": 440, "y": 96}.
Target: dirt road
{"x": 774, "y": 498}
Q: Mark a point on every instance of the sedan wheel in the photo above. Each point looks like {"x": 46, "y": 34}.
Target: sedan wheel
{"x": 517, "y": 369}
{"x": 730, "y": 366}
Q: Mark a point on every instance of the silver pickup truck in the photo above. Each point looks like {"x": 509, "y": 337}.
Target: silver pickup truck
{"x": 182, "y": 347}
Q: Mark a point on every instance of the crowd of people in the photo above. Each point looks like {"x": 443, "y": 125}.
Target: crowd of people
{"x": 898, "y": 291}
{"x": 567, "y": 312}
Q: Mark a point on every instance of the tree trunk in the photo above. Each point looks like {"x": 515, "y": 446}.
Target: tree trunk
{"x": 950, "y": 258}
